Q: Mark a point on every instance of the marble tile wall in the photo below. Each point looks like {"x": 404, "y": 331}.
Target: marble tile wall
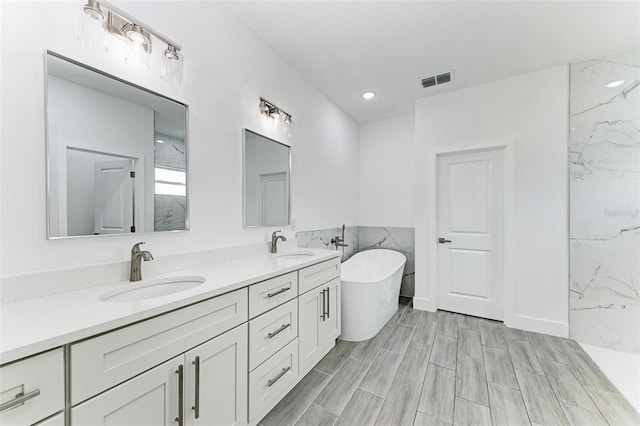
{"x": 398, "y": 239}
{"x": 604, "y": 307}
{"x": 370, "y": 237}
{"x": 321, "y": 239}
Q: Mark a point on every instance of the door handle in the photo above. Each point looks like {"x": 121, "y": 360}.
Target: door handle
{"x": 324, "y": 306}
{"x": 196, "y": 406}
{"x": 328, "y": 302}
{"x": 180, "y": 373}
{"x": 442, "y": 240}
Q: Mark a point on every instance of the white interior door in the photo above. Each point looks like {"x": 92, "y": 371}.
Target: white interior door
{"x": 470, "y": 223}
{"x": 113, "y": 200}
{"x": 274, "y": 199}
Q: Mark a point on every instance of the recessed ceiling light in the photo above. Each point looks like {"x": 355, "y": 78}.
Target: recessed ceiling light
{"x": 368, "y": 95}
{"x": 615, "y": 83}
{"x": 159, "y": 141}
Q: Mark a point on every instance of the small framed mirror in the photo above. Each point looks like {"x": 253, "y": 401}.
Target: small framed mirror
{"x": 266, "y": 181}
{"x": 116, "y": 155}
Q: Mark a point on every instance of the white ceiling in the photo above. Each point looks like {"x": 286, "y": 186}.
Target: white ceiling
{"x": 348, "y": 47}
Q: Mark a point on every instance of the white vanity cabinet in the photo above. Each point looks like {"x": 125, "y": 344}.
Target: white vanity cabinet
{"x": 32, "y": 389}
{"x": 166, "y": 370}
{"x": 319, "y": 312}
{"x": 205, "y": 386}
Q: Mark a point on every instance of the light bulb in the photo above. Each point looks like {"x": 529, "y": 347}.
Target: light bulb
{"x": 171, "y": 66}
{"x": 92, "y": 32}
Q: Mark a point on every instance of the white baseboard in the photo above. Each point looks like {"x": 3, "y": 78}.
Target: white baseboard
{"x": 539, "y": 325}
{"x": 422, "y": 304}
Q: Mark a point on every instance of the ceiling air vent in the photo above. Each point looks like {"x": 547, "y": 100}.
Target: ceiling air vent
{"x": 428, "y": 82}
{"x": 436, "y": 79}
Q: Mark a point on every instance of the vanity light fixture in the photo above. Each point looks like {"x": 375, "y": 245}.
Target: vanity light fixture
{"x": 283, "y": 121}
{"x": 368, "y": 95}
{"x": 615, "y": 83}
{"x": 101, "y": 18}
{"x": 92, "y": 24}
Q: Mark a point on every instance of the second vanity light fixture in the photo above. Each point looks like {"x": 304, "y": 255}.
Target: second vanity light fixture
{"x": 100, "y": 18}
{"x": 283, "y": 121}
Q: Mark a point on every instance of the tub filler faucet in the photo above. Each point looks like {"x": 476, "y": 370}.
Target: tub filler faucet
{"x": 274, "y": 241}
{"x": 339, "y": 241}
{"x": 137, "y": 256}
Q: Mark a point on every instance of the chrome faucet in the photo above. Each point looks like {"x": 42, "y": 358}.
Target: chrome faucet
{"x": 137, "y": 256}
{"x": 339, "y": 241}
{"x": 274, "y": 241}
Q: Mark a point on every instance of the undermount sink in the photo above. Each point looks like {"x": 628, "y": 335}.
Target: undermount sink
{"x": 151, "y": 289}
{"x": 295, "y": 255}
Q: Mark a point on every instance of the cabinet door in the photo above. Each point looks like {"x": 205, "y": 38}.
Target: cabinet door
{"x": 332, "y": 325}
{"x": 57, "y": 420}
{"x": 216, "y": 380}
{"x": 148, "y": 399}
{"x": 310, "y": 336}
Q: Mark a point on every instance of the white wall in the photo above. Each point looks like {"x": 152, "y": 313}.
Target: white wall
{"x": 387, "y": 174}
{"x": 533, "y": 110}
{"x": 226, "y": 69}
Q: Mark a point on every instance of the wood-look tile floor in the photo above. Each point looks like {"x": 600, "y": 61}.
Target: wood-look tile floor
{"x": 442, "y": 368}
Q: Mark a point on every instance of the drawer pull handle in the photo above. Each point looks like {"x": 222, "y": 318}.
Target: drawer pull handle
{"x": 275, "y": 379}
{"x": 180, "y": 418}
{"x": 19, "y": 400}
{"x": 282, "y": 290}
{"x": 196, "y": 406}
{"x": 278, "y": 331}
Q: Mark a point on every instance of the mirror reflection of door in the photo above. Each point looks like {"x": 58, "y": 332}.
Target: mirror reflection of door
{"x": 274, "y": 198}
{"x": 266, "y": 183}
{"x": 99, "y": 193}
{"x": 113, "y": 197}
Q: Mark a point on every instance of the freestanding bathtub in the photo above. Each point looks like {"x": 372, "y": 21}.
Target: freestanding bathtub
{"x": 370, "y": 291}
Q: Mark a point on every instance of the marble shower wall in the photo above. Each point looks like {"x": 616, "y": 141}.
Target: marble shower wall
{"x": 370, "y": 237}
{"x": 604, "y": 307}
{"x": 170, "y": 211}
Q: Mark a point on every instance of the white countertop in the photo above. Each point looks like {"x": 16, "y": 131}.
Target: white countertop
{"x": 35, "y": 325}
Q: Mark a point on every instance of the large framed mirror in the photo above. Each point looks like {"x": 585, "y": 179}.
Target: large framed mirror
{"x": 266, "y": 181}
{"x": 117, "y": 155}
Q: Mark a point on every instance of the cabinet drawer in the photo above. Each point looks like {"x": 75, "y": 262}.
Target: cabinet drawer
{"x": 271, "y": 293}
{"x": 270, "y": 332}
{"x": 43, "y": 373}
{"x": 270, "y": 381}
{"x": 102, "y": 362}
{"x": 315, "y": 275}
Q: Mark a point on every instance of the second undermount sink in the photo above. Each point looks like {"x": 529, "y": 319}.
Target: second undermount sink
{"x": 154, "y": 288}
{"x": 297, "y": 255}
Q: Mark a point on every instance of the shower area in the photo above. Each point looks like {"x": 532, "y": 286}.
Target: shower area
{"x": 605, "y": 202}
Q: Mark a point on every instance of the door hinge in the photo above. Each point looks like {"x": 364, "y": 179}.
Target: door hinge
{"x": 132, "y": 174}
{"x": 133, "y": 229}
